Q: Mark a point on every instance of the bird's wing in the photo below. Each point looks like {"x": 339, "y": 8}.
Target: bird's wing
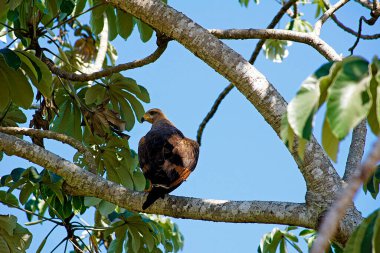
{"x": 143, "y": 155}
{"x": 188, "y": 152}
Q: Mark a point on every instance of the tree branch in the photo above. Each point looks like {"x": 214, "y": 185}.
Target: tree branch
{"x": 326, "y": 15}
{"x": 338, "y": 209}
{"x": 365, "y": 3}
{"x": 84, "y": 183}
{"x": 161, "y": 43}
{"x": 253, "y": 58}
{"x": 351, "y": 31}
{"x": 307, "y": 38}
{"x": 89, "y": 158}
{"x": 356, "y": 151}
{"x": 212, "y": 112}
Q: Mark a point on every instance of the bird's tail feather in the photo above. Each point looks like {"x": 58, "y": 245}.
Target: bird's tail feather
{"x": 153, "y": 195}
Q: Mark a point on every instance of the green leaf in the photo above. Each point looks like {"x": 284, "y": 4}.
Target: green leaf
{"x": 67, "y": 6}
{"x": 125, "y": 23}
{"x": 136, "y": 241}
{"x": 287, "y": 134}
{"x": 5, "y": 98}
{"x": 136, "y": 105}
{"x": 374, "y": 112}
{"x": 8, "y": 223}
{"x": 45, "y": 78}
{"x": 145, "y": 30}
{"x": 329, "y": 142}
{"x": 307, "y": 232}
{"x": 19, "y": 88}
{"x": 358, "y": 240}
{"x": 376, "y": 235}
{"x": 16, "y": 174}
{"x": 8, "y": 199}
{"x": 96, "y": 18}
{"x": 79, "y": 7}
{"x": 139, "y": 181}
{"x": 25, "y": 192}
{"x": 125, "y": 109}
{"x": 12, "y": 60}
{"x": 283, "y": 248}
{"x": 112, "y": 25}
{"x": 105, "y": 207}
{"x": 302, "y": 108}
{"x": 13, "y": 237}
{"x": 144, "y": 95}
{"x": 91, "y": 201}
{"x": 95, "y": 94}
{"x": 348, "y": 99}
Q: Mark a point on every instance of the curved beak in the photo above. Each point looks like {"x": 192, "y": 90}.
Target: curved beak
{"x": 146, "y": 117}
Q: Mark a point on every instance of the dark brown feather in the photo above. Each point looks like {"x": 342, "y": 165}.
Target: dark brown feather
{"x": 167, "y": 158}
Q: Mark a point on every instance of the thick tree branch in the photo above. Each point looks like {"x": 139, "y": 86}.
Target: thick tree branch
{"x": 82, "y": 182}
{"x": 89, "y": 158}
{"x": 161, "y": 43}
{"x": 338, "y": 209}
{"x": 307, "y": 38}
{"x": 326, "y": 15}
{"x": 356, "y": 151}
{"x": 253, "y": 58}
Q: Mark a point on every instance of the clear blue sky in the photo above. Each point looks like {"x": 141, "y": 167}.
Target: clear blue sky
{"x": 241, "y": 157}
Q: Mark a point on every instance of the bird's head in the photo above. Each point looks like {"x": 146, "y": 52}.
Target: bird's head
{"x": 153, "y": 115}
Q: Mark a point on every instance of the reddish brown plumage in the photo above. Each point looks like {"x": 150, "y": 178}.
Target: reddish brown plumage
{"x": 166, "y": 156}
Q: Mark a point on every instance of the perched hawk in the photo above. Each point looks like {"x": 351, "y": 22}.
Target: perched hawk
{"x": 166, "y": 156}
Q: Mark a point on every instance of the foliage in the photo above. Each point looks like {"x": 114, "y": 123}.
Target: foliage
{"x": 350, "y": 89}
{"x": 366, "y": 237}
{"x": 279, "y": 240}
{"x": 13, "y": 237}
{"x": 96, "y": 113}
{"x": 372, "y": 184}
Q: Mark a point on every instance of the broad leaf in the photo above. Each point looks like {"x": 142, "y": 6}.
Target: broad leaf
{"x": 329, "y": 142}
{"x": 349, "y": 99}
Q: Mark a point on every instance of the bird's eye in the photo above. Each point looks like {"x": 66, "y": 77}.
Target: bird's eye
{"x": 152, "y": 113}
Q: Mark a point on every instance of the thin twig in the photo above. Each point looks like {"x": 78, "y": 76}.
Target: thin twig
{"x": 79, "y": 14}
{"x": 162, "y": 45}
{"x": 371, "y": 21}
{"x": 253, "y": 58}
{"x": 326, "y": 15}
{"x": 212, "y": 111}
{"x": 55, "y": 136}
{"x": 338, "y": 209}
{"x": 356, "y": 151}
{"x": 351, "y": 31}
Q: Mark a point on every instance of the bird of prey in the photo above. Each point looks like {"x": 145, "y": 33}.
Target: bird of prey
{"x": 166, "y": 156}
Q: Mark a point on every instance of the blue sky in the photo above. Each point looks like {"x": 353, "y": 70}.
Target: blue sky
{"x": 241, "y": 157}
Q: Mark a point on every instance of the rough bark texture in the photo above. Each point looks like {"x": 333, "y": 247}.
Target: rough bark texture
{"x": 356, "y": 150}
